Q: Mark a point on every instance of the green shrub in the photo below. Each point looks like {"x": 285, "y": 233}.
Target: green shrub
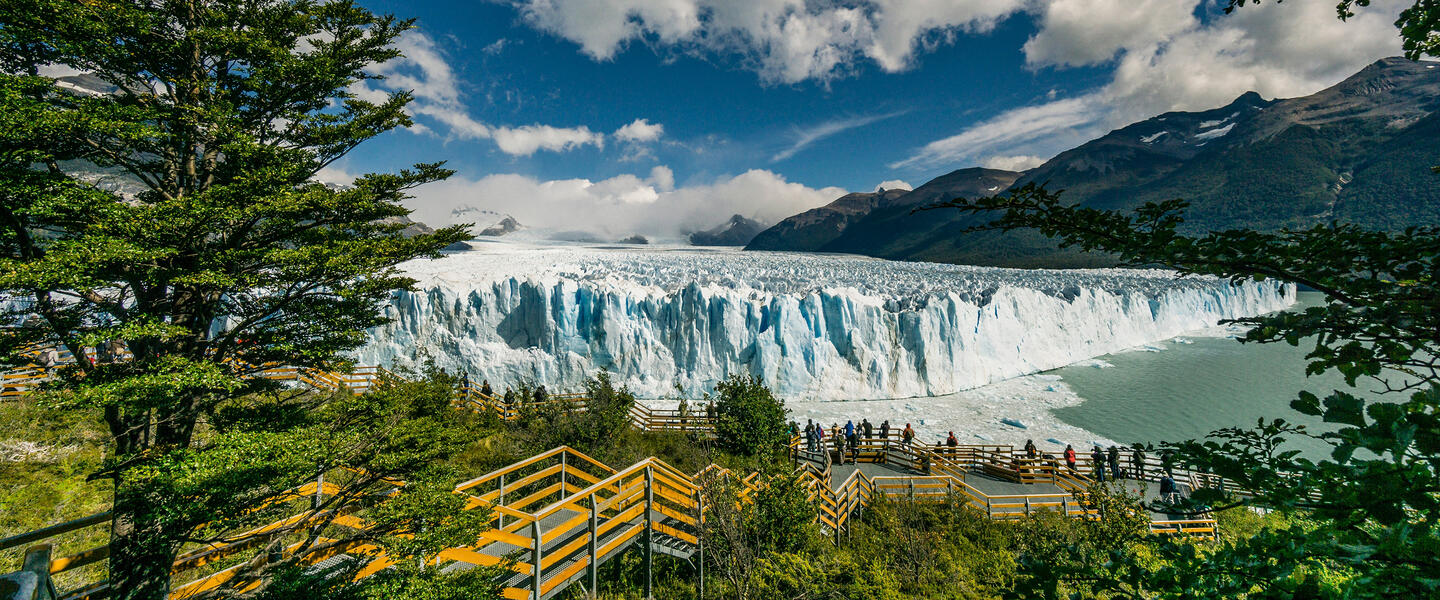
{"x": 750, "y": 421}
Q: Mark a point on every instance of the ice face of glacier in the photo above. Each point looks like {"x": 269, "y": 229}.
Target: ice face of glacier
{"x": 821, "y": 327}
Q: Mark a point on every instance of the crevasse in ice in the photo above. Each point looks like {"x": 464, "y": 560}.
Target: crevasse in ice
{"x": 822, "y": 327}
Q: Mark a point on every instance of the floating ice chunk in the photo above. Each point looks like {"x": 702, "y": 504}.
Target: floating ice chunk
{"x": 984, "y": 437}
{"x": 1182, "y": 341}
{"x": 1013, "y": 422}
{"x": 1055, "y": 441}
{"x": 1097, "y": 363}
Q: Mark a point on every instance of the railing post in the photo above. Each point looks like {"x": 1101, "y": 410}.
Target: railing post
{"x": 649, "y": 533}
{"x": 37, "y": 561}
{"x": 700, "y": 539}
{"x": 1027, "y": 506}
{"x": 1065, "y": 506}
{"x": 500, "y": 516}
{"x": 563, "y": 491}
{"x": 989, "y": 512}
{"x": 536, "y": 555}
{"x": 594, "y": 544}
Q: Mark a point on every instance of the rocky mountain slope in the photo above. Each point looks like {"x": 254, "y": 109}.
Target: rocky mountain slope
{"x": 1357, "y": 152}
{"x": 738, "y": 231}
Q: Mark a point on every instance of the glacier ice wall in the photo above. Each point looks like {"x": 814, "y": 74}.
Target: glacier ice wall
{"x": 822, "y": 327}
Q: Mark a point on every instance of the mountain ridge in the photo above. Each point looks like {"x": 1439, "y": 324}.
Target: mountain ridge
{"x": 1356, "y": 152}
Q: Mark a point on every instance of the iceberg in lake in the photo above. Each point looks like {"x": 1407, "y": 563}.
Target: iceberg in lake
{"x": 814, "y": 326}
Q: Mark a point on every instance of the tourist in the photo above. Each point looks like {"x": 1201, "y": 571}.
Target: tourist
{"x": 1030, "y": 450}
{"x": 809, "y": 435}
{"x": 1070, "y": 458}
{"x": 867, "y": 428}
{"x": 1137, "y": 462}
{"x": 1169, "y": 492}
{"x": 49, "y": 357}
{"x": 710, "y": 412}
{"x": 116, "y": 350}
{"x": 839, "y": 441}
{"x": 952, "y": 443}
{"x": 1097, "y": 462}
{"x": 485, "y": 388}
{"x": 1114, "y": 460}
{"x": 908, "y": 435}
{"x": 885, "y": 432}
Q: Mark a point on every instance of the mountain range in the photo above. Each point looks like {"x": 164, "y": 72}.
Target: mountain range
{"x": 1357, "y": 152}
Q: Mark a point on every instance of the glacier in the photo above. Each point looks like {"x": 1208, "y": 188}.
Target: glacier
{"x": 668, "y": 321}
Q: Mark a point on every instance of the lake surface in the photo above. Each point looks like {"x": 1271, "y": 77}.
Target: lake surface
{"x": 1189, "y": 389}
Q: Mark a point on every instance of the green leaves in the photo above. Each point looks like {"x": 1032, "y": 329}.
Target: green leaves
{"x": 1375, "y": 503}
{"x": 750, "y": 421}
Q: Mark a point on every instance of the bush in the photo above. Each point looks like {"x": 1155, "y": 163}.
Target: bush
{"x": 599, "y": 430}
{"x": 750, "y": 421}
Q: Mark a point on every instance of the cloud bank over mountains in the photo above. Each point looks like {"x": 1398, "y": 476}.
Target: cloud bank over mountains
{"x": 1165, "y": 59}
{"x": 624, "y": 205}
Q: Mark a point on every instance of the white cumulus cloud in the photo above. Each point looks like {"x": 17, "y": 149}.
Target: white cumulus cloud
{"x": 622, "y": 205}
{"x": 784, "y": 41}
{"x": 1019, "y": 162}
{"x": 424, "y": 71}
{"x": 1172, "y": 63}
{"x": 524, "y": 141}
{"x": 894, "y": 184}
{"x": 640, "y": 130}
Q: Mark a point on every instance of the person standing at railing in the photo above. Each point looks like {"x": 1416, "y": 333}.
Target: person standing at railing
{"x": 485, "y": 388}
{"x": 1169, "y": 492}
{"x": 49, "y": 357}
{"x": 908, "y": 435}
{"x": 465, "y": 383}
{"x": 1097, "y": 462}
{"x": 1114, "y": 460}
{"x": 1031, "y": 452}
{"x": 1137, "y": 462}
{"x": 837, "y": 437}
{"x": 809, "y": 435}
{"x": 952, "y": 445}
{"x": 1070, "y": 458}
{"x": 850, "y": 441}
{"x": 867, "y": 428}
{"x": 885, "y": 433}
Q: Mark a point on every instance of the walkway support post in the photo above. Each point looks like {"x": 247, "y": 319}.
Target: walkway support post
{"x": 700, "y": 539}
{"x": 536, "y": 556}
{"x": 500, "y": 516}
{"x": 563, "y": 492}
{"x": 649, "y": 533}
{"x": 594, "y": 544}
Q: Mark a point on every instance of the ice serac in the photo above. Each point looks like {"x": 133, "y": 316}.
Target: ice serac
{"x": 812, "y": 326}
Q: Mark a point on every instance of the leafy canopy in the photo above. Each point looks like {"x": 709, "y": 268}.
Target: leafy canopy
{"x": 1374, "y": 504}
{"x": 167, "y": 198}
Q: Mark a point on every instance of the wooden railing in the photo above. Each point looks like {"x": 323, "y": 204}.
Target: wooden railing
{"x": 565, "y": 513}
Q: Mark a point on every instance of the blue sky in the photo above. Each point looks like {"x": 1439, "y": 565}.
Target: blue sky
{"x": 663, "y": 116}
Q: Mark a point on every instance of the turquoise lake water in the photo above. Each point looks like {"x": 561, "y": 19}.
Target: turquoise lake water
{"x": 1189, "y": 390}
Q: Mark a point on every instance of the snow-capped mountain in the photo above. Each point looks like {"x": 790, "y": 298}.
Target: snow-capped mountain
{"x": 1357, "y": 152}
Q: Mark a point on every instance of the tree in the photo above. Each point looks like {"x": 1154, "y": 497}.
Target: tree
{"x": 1371, "y": 509}
{"x": 738, "y": 533}
{"x": 749, "y": 419}
{"x": 227, "y": 258}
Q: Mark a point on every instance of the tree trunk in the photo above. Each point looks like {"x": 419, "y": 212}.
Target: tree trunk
{"x": 140, "y": 553}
